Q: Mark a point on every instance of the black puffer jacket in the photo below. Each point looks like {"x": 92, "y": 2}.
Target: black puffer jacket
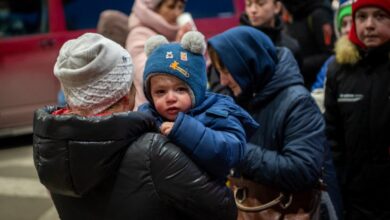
{"x": 110, "y": 168}
{"x": 357, "y": 101}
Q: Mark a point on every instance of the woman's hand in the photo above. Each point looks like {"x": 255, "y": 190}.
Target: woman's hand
{"x": 166, "y": 128}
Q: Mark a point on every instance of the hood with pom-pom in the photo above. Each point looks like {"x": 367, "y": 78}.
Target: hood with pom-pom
{"x": 184, "y": 61}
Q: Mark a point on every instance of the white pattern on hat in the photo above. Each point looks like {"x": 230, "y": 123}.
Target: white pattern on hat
{"x": 94, "y": 72}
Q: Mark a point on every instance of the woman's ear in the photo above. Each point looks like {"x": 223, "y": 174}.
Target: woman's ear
{"x": 278, "y": 7}
{"x": 131, "y": 97}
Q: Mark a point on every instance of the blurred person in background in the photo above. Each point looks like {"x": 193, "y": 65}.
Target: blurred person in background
{"x": 100, "y": 160}
{"x": 113, "y": 25}
{"x": 357, "y": 111}
{"x": 312, "y": 25}
{"x": 265, "y": 16}
{"x": 149, "y": 18}
{"x": 342, "y": 26}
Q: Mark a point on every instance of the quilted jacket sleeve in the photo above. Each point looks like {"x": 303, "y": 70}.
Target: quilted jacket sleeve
{"x": 184, "y": 186}
{"x": 216, "y": 148}
{"x": 297, "y": 164}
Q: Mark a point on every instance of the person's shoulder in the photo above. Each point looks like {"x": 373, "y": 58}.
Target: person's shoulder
{"x": 219, "y": 101}
{"x": 298, "y": 97}
{"x": 145, "y": 143}
{"x": 296, "y": 92}
{"x": 290, "y": 42}
{"x": 332, "y": 68}
{"x": 218, "y": 97}
{"x": 285, "y": 55}
{"x": 215, "y": 106}
{"x": 151, "y": 139}
{"x": 141, "y": 119}
{"x": 157, "y": 147}
{"x": 224, "y": 105}
{"x": 46, "y": 110}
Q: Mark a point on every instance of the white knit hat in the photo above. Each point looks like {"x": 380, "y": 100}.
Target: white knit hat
{"x": 94, "y": 72}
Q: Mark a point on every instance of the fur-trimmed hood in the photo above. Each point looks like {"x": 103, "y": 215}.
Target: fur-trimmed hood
{"x": 348, "y": 53}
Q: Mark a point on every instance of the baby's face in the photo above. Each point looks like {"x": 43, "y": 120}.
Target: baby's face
{"x": 372, "y": 26}
{"x": 170, "y": 95}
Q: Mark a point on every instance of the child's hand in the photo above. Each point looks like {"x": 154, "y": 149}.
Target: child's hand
{"x": 166, "y": 128}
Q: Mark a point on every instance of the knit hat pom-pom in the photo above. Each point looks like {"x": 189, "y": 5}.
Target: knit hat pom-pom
{"x": 194, "y": 41}
{"x": 154, "y": 42}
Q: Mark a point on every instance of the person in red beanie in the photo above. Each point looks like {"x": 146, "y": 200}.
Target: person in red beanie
{"x": 357, "y": 103}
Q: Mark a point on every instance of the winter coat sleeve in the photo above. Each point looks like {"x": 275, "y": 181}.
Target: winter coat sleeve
{"x": 297, "y": 164}
{"x": 184, "y": 186}
{"x": 216, "y": 148}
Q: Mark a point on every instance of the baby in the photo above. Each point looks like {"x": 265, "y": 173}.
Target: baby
{"x": 209, "y": 127}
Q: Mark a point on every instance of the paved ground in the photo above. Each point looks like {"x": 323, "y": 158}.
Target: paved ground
{"x": 22, "y": 197}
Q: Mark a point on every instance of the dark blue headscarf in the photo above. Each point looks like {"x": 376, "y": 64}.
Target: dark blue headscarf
{"x": 248, "y": 54}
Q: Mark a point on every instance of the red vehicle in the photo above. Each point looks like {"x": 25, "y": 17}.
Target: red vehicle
{"x": 32, "y": 32}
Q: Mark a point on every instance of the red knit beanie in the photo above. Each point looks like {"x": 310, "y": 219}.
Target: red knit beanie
{"x": 356, "y": 5}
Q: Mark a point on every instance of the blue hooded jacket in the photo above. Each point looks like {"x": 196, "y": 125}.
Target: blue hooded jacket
{"x": 288, "y": 150}
{"x": 213, "y": 133}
